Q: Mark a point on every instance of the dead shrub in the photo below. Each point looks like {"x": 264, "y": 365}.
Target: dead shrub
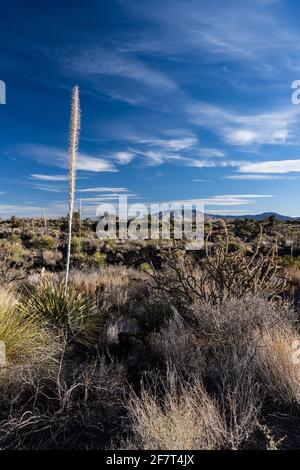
{"x": 69, "y": 406}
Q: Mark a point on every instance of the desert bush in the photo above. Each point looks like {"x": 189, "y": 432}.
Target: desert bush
{"x": 230, "y": 336}
{"x": 76, "y": 245}
{"x": 179, "y": 347}
{"x": 98, "y": 259}
{"x": 235, "y": 322}
{"x": 150, "y": 311}
{"x": 10, "y": 270}
{"x": 146, "y": 267}
{"x": 12, "y": 249}
{"x": 221, "y": 341}
{"x": 110, "y": 279}
{"x": 119, "y": 284}
{"x": 51, "y": 258}
{"x": 44, "y": 242}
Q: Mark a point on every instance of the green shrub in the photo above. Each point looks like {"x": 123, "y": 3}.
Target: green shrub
{"x": 146, "y": 268}
{"x": 12, "y": 249}
{"x": 76, "y": 245}
{"x": 45, "y": 242}
{"x": 99, "y": 259}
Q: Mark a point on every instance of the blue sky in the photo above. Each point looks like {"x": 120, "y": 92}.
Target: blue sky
{"x": 181, "y": 100}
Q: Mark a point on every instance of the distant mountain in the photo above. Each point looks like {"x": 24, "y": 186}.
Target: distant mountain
{"x": 258, "y": 217}
{"x": 191, "y": 214}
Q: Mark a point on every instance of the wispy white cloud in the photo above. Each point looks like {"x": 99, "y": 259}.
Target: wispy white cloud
{"x": 213, "y": 163}
{"x": 109, "y": 197}
{"x": 47, "y": 188}
{"x": 234, "y": 200}
{"x": 274, "y": 127}
{"x": 278, "y": 166}
{"x": 244, "y": 196}
{"x": 89, "y": 163}
{"x": 52, "y": 156}
{"x": 211, "y": 153}
{"x": 224, "y": 200}
{"x": 158, "y": 157}
{"x": 124, "y": 157}
{"x": 175, "y": 145}
{"x": 256, "y": 35}
{"x": 19, "y": 210}
{"x": 103, "y": 190}
{"x": 184, "y": 150}
{"x": 49, "y": 177}
{"x": 97, "y": 61}
{"x": 259, "y": 177}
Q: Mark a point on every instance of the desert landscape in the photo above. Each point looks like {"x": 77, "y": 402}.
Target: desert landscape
{"x": 150, "y": 346}
{"x": 150, "y": 230}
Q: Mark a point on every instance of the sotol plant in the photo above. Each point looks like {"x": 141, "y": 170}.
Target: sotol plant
{"x": 73, "y": 149}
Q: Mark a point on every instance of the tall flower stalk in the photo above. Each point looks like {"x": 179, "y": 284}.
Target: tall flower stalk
{"x": 73, "y": 150}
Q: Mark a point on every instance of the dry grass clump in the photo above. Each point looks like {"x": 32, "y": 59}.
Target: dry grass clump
{"x": 183, "y": 419}
{"x": 293, "y": 274}
{"x": 278, "y": 364}
{"x": 24, "y": 334}
{"x": 114, "y": 281}
{"x": 51, "y": 258}
{"x": 184, "y": 416}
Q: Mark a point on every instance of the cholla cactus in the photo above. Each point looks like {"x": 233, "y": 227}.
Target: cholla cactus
{"x": 223, "y": 274}
{"x": 73, "y": 149}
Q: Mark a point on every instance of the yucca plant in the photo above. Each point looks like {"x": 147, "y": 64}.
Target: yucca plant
{"x": 73, "y": 149}
{"x": 67, "y": 308}
{"x": 24, "y": 335}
